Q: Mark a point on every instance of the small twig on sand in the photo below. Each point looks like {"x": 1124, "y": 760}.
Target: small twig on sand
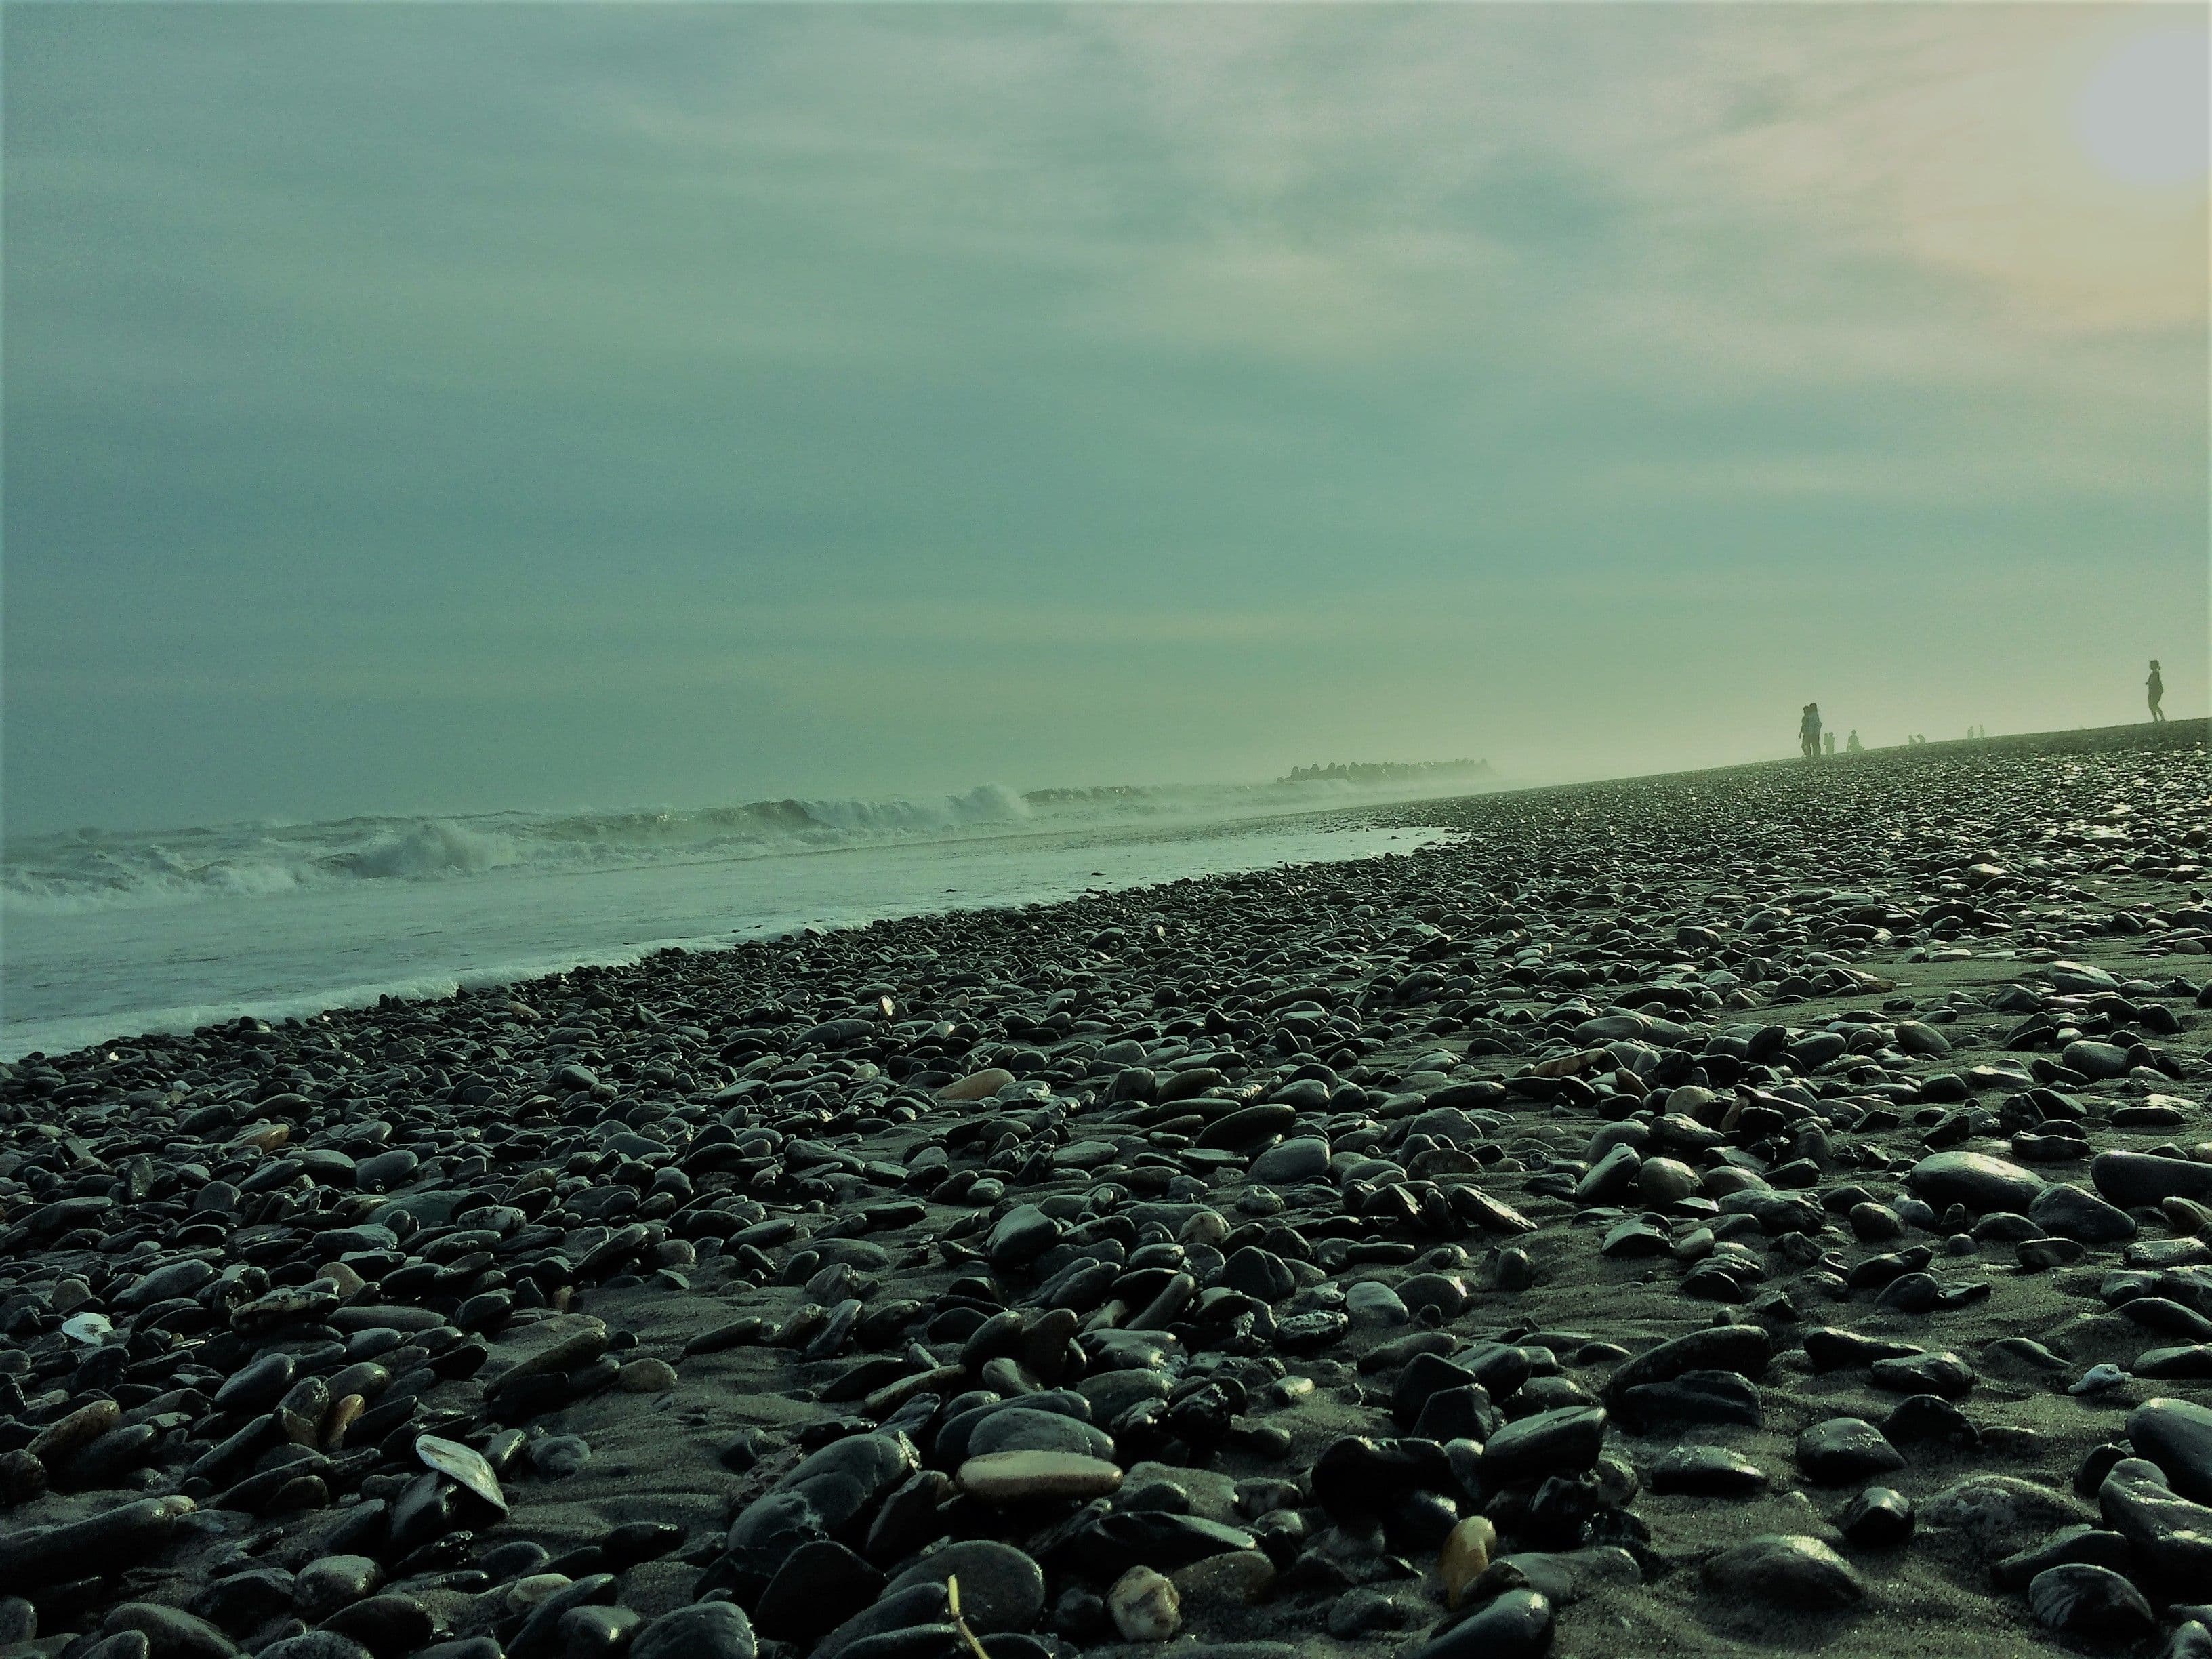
{"x": 959, "y": 1621}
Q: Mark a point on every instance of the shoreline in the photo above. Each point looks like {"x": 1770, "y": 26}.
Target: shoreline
{"x": 1416, "y": 813}
{"x": 417, "y": 942}
{"x": 1661, "y": 1166}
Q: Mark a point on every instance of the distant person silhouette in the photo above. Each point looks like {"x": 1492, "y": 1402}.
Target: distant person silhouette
{"x": 1827, "y": 743}
{"x": 1808, "y": 731}
{"x": 2154, "y": 687}
{"x": 1854, "y": 745}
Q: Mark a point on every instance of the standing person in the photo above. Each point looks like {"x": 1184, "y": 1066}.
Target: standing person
{"x": 1808, "y": 731}
{"x": 2154, "y": 687}
{"x": 1853, "y": 744}
{"x": 1827, "y": 743}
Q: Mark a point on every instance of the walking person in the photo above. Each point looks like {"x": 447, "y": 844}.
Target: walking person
{"x": 1808, "y": 731}
{"x": 2154, "y": 687}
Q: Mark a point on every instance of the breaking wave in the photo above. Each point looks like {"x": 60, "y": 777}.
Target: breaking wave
{"x": 95, "y": 870}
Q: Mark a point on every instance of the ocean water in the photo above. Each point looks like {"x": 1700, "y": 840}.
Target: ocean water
{"x": 110, "y": 935}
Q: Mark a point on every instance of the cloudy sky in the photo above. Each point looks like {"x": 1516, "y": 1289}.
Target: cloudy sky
{"x": 445, "y": 408}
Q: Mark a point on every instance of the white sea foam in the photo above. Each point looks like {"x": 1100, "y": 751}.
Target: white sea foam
{"x": 98, "y": 870}
{"x": 97, "y": 973}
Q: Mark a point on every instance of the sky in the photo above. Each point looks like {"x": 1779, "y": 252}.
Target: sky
{"x": 456, "y": 408}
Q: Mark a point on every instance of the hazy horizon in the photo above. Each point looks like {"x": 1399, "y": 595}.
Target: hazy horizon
{"x": 459, "y": 410}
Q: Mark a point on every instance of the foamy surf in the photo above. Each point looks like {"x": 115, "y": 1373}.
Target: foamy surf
{"x": 92, "y": 869}
{"x": 94, "y": 974}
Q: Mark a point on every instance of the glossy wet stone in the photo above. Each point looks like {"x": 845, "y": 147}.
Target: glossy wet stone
{"x": 1711, "y": 1471}
{"x": 1842, "y": 1449}
{"x": 1517, "y": 1625}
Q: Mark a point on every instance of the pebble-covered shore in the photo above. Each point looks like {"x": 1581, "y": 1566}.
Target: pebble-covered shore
{"x": 1749, "y": 1210}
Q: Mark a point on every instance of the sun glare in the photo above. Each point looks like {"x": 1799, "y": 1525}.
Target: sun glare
{"x": 2143, "y": 116}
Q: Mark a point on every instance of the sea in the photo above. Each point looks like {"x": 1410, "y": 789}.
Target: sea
{"x": 111, "y": 934}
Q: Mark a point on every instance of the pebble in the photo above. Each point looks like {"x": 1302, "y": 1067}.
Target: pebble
{"x": 1024, "y": 1477}
{"x": 1979, "y": 1182}
{"x": 1001, "y": 1587}
{"x": 1566, "y": 1440}
{"x": 1144, "y": 1606}
{"x": 2169, "y": 1534}
{"x": 1789, "y": 1570}
{"x": 2177, "y": 1436}
{"x": 1707, "y": 1471}
{"x": 646, "y": 1376}
{"x": 2132, "y": 1179}
{"x": 2090, "y": 1603}
{"x": 1843, "y": 1450}
{"x": 1465, "y": 1555}
{"x": 1517, "y": 1625}
{"x": 706, "y": 1630}
{"x": 1878, "y": 1518}
{"x": 1304, "y": 1157}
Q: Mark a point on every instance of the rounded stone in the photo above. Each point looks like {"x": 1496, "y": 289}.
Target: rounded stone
{"x": 1845, "y": 1449}
{"x": 1788, "y": 1570}
{"x": 1304, "y": 1157}
{"x": 1514, "y": 1625}
{"x": 2090, "y": 1602}
{"x": 1564, "y": 1441}
{"x": 706, "y": 1630}
{"x": 2177, "y": 1436}
{"x": 1980, "y": 1183}
{"x": 1001, "y": 1587}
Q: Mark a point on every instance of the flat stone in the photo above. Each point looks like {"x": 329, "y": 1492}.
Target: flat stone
{"x": 2077, "y": 1213}
{"x": 1694, "y": 1397}
{"x": 1710, "y": 1471}
{"x": 976, "y": 1085}
{"x": 1304, "y": 1157}
{"x": 2090, "y": 1603}
{"x": 1022, "y": 1477}
{"x": 1744, "y": 1348}
{"x": 2096, "y": 1546}
{"x": 2096, "y": 1060}
{"x": 1020, "y": 1428}
{"x": 1945, "y": 1375}
{"x": 2133, "y": 1180}
{"x": 1788, "y": 1570}
{"x": 1994, "y": 1511}
{"x": 1975, "y": 1180}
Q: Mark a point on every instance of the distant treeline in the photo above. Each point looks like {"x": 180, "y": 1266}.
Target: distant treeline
{"x": 1387, "y": 771}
